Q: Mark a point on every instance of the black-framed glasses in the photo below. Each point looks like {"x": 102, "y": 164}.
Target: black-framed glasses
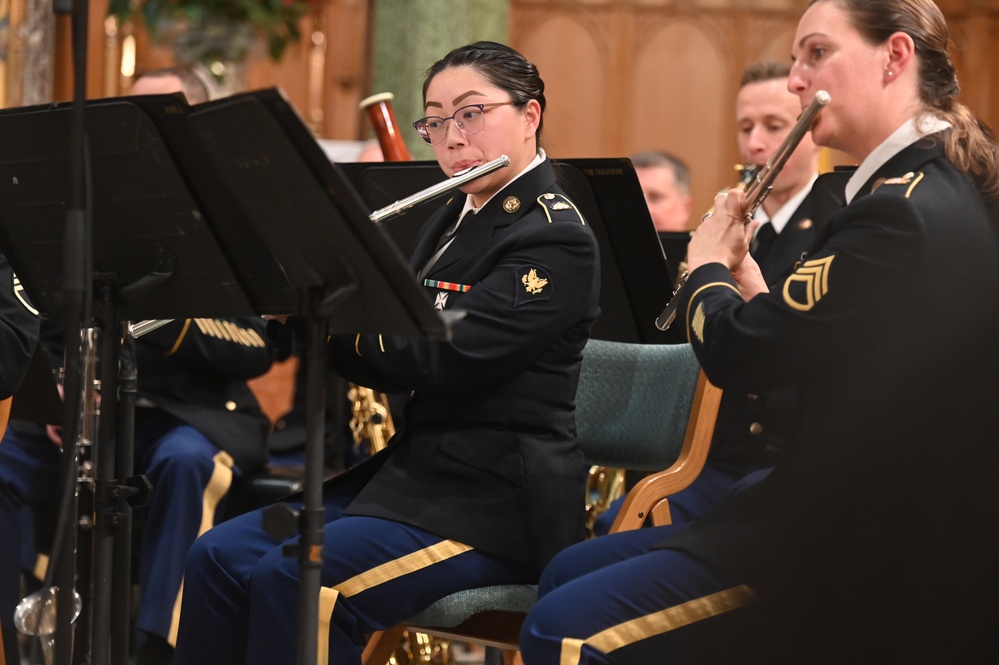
{"x": 469, "y": 120}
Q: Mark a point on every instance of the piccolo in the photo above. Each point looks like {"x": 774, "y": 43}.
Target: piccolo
{"x": 441, "y": 188}
{"x": 759, "y": 189}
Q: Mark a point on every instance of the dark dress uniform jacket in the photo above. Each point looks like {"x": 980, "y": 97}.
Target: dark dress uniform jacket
{"x": 878, "y": 526}
{"x": 196, "y": 370}
{"x": 752, "y": 428}
{"x": 488, "y": 455}
{"x": 18, "y": 332}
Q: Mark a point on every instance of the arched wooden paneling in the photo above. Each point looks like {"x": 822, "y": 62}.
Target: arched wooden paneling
{"x": 576, "y": 117}
{"x": 666, "y": 71}
{"x": 679, "y": 63}
{"x": 603, "y": 61}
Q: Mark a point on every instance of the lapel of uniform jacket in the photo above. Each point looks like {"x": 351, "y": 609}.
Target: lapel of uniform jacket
{"x": 434, "y": 228}
{"x": 495, "y": 216}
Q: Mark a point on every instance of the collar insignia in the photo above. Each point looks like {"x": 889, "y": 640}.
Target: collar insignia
{"x": 808, "y": 284}
{"x": 511, "y": 204}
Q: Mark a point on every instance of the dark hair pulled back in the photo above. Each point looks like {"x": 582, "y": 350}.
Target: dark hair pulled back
{"x": 502, "y": 66}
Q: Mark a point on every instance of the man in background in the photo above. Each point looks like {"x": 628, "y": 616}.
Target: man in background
{"x": 751, "y": 429}
{"x": 169, "y": 80}
{"x": 665, "y": 181}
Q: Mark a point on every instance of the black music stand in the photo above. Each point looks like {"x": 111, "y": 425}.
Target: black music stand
{"x": 636, "y": 279}
{"x": 184, "y": 226}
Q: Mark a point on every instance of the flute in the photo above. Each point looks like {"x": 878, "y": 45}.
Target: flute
{"x": 452, "y": 183}
{"x": 759, "y": 189}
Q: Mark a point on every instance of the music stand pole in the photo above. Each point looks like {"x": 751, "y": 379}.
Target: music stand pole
{"x": 311, "y": 519}
{"x": 76, "y": 262}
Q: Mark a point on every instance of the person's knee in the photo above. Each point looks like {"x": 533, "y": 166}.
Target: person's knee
{"x": 541, "y": 632}
{"x": 561, "y": 569}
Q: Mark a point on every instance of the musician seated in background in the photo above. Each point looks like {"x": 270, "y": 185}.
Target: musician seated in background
{"x": 18, "y": 338}
{"x": 873, "y": 540}
{"x": 485, "y": 481}
{"x": 752, "y": 427}
{"x": 196, "y": 425}
{"x": 665, "y": 181}
{"x": 171, "y": 79}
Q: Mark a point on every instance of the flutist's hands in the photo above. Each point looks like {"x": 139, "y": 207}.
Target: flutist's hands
{"x": 723, "y": 236}
{"x": 750, "y": 278}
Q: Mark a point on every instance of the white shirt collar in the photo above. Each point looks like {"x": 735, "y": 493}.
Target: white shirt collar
{"x": 911, "y": 131}
{"x": 538, "y": 158}
{"x": 783, "y": 214}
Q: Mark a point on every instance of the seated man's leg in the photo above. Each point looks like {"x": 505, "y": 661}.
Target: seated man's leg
{"x": 29, "y": 476}
{"x": 376, "y": 573}
{"x": 640, "y": 610}
{"x": 190, "y": 477}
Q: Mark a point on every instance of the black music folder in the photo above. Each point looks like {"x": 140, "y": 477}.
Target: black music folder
{"x": 636, "y": 278}
{"x": 223, "y": 209}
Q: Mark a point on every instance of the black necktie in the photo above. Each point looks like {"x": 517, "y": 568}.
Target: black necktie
{"x": 445, "y": 239}
{"x": 762, "y": 242}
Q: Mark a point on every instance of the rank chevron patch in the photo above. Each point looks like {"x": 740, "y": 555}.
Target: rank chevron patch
{"x": 808, "y": 284}
{"x": 697, "y": 325}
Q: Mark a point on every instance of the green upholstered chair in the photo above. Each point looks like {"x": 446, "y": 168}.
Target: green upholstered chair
{"x": 639, "y": 406}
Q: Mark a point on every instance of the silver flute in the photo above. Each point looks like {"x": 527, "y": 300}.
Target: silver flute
{"x": 452, "y": 183}
{"x": 759, "y": 189}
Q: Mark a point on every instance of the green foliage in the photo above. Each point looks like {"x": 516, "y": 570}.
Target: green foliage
{"x": 218, "y": 29}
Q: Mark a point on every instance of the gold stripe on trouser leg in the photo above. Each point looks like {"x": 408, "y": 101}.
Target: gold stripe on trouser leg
{"x": 369, "y": 579}
{"x": 327, "y": 601}
{"x": 658, "y": 623}
{"x": 218, "y": 486}
{"x": 41, "y": 566}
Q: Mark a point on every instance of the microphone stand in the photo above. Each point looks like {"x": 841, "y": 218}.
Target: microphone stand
{"x": 77, "y": 292}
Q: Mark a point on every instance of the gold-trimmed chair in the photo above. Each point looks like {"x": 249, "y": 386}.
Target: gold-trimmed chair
{"x": 646, "y": 407}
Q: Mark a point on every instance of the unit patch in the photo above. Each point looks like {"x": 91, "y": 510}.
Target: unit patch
{"x": 808, "y": 284}
{"x": 534, "y": 284}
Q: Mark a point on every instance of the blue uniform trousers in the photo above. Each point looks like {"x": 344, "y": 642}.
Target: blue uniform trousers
{"x": 708, "y": 491}
{"x": 241, "y": 602}
{"x": 613, "y": 600}
{"x": 189, "y": 474}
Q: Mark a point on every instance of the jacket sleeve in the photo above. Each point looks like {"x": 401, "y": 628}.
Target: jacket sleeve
{"x": 18, "y": 332}
{"x": 844, "y": 289}
{"x": 234, "y": 347}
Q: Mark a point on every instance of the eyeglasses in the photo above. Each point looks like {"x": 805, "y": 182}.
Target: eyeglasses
{"x": 469, "y": 120}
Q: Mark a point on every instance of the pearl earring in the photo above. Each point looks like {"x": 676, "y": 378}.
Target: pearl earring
{"x": 890, "y": 73}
